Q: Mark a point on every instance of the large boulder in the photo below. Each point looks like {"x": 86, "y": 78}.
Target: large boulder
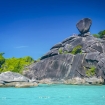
{"x": 13, "y": 77}
{"x": 84, "y": 25}
{"x": 62, "y": 65}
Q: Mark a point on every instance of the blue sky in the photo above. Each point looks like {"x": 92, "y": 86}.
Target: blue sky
{"x": 32, "y": 27}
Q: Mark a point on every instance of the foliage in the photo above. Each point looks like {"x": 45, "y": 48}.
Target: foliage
{"x": 96, "y": 35}
{"x": 60, "y": 51}
{"x": 100, "y": 34}
{"x": 2, "y": 59}
{"x": 91, "y": 71}
{"x": 65, "y": 52}
{"x": 16, "y": 64}
{"x": 76, "y": 50}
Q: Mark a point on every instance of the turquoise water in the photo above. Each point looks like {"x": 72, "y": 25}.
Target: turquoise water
{"x": 53, "y": 95}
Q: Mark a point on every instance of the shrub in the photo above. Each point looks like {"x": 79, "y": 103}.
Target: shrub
{"x": 91, "y": 71}
{"x": 101, "y": 34}
{"x": 60, "y": 51}
{"x": 76, "y": 50}
{"x": 96, "y": 35}
{"x": 65, "y": 52}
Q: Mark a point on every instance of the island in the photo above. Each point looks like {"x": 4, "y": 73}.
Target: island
{"x": 77, "y": 60}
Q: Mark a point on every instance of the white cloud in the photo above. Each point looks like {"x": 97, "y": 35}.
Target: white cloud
{"x": 21, "y": 47}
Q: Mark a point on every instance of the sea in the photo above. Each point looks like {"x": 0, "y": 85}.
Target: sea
{"x": 54, "y": 95}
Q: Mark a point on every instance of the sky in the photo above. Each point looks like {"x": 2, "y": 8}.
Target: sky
{"x": 32, "y": 27}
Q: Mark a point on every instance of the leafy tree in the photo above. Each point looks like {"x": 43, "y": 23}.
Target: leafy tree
{"x": 16, "y": 64}
{"x": 2, "y": 59}
{"x": 60, "y": 51}
{"x": 101, "y": 34}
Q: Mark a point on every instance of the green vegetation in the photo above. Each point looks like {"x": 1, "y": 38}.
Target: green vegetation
{"x": 65, "y": 52}
{"x": 101, "y": 34}
{"x": 76, "y": 50}
{"x": 96, "y": 35}
{"x": 2, "y": 59}
{"x": 60, "y": 51}
{"x": 14, "y": 64}
{"x": 91, "y": 71}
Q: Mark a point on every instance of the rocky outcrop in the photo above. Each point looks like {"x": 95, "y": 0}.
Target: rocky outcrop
{"x": 11, "y": 79}
{"x": 64, "y": 63}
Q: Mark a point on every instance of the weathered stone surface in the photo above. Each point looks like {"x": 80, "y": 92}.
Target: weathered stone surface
{"x": 76, "y": 42}
{"x": 69, "y": 38}
{"x": 53, "y": 67}
{"x": 57, "y": 46}
{"x": 98, "y": 47}
{"x": 12, "y": 77}
{"x": 84, "y": 25}
{"x": 77, "y": 81}
{"x": 77, "y": 67}
{"x": 92, "y": 56}
{"x": 87, "y": 34}
{"x": 67, "y": 48}
{"x": 94, "y": 80}
{"x": 50, "y": 53}
{"x": 1, "y": 82}
{"x": 19, "y": 84}
{"x": 26, "y": 84}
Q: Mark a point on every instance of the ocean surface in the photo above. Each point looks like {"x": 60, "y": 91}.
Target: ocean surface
{"x": 53, "y": 95}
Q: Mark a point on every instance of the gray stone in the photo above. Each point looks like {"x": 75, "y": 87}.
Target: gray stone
{"x": 69, "y": 38}
{"x": 67, "y": 48}
{"x": 92, "y": 56}
{"x": 26, "y": 84}
{"x": 98, "y": 47}
{"x": 12, "y": 77}
{"x": 1, "y": 82}
{"x": 76, "y": 42}
{"x": 57, "y": 46}
{"x": 50, "y": 53}
{"x": 77, "y": 66}
{"x": 84, "y": 25}
{"x": 87, "y": 34}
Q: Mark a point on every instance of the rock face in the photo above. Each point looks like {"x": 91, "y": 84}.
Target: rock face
{"x": 11, "y": 79}
{"x": 84, "y": 25}
{"x": 62, "y": 65}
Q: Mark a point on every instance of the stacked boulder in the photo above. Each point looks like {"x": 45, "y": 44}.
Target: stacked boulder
{"x": 61, "y": 65}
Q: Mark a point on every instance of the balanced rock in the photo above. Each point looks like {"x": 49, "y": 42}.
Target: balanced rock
{"x": 84, "y": 25}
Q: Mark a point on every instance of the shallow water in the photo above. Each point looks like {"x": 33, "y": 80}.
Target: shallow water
{"x": 53, "y": 95}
